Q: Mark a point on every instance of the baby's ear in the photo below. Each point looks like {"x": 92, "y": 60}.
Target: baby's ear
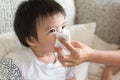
{"x": 31, "y": 41}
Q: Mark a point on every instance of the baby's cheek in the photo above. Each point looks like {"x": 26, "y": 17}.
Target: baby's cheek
{"x": 54, "y": 38}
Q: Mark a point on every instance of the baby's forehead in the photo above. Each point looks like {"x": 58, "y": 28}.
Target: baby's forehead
{"x": 50, "y": 19}
{"x": 51, "y": 22}
{"x": 44, "y": 22}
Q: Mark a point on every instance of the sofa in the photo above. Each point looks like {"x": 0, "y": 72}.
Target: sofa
{"x": 84, "y": 26}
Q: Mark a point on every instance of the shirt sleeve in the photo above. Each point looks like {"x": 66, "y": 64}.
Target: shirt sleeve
{"x": 69, "y": 72}
{"x": 9, "y": 70}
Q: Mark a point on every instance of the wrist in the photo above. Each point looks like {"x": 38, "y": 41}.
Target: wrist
{"x": 89, "y": 55}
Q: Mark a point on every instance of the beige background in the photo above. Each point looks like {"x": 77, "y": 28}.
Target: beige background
{"x": 106, "y": 13}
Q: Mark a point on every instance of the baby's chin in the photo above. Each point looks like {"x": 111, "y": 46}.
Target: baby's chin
{"x": 53, "y": 50}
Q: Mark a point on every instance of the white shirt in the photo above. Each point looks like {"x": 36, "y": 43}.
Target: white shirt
{"x": 23, "y": 65}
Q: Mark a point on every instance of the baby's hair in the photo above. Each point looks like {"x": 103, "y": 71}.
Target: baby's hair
{"x": 27, "y": 15}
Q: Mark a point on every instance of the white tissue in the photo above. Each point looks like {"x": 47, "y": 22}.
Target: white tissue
{"x": 65, "y": 35}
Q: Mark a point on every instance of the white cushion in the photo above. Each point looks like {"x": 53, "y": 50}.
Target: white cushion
{"x": 8, "y": 43}
{"x": 83, "y": 32}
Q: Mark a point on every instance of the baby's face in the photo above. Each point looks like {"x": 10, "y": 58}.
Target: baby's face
{"x": 46, "y": 32}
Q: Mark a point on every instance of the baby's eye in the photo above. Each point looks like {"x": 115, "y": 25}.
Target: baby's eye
{"x": 52, "y": 30}
{"x": 63, "y": 26}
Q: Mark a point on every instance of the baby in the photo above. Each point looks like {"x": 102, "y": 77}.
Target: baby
{"x": 35, "y": 24}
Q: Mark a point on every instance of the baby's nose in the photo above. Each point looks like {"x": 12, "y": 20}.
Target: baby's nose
{"x": 60, "y": 31}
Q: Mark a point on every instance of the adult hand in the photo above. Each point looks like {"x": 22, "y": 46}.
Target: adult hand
{"x": 78, "y": 54}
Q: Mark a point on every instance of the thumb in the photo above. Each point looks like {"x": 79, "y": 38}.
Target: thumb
{"x": 60, "y": 53}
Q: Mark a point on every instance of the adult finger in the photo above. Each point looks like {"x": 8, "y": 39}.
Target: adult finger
{"x": 60, "y": 52}
{"x": 67, "y": 63}
{"x": 77, "y": 44}
{"x": 67, "y": 44}
{"x": 61, "y": 55}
